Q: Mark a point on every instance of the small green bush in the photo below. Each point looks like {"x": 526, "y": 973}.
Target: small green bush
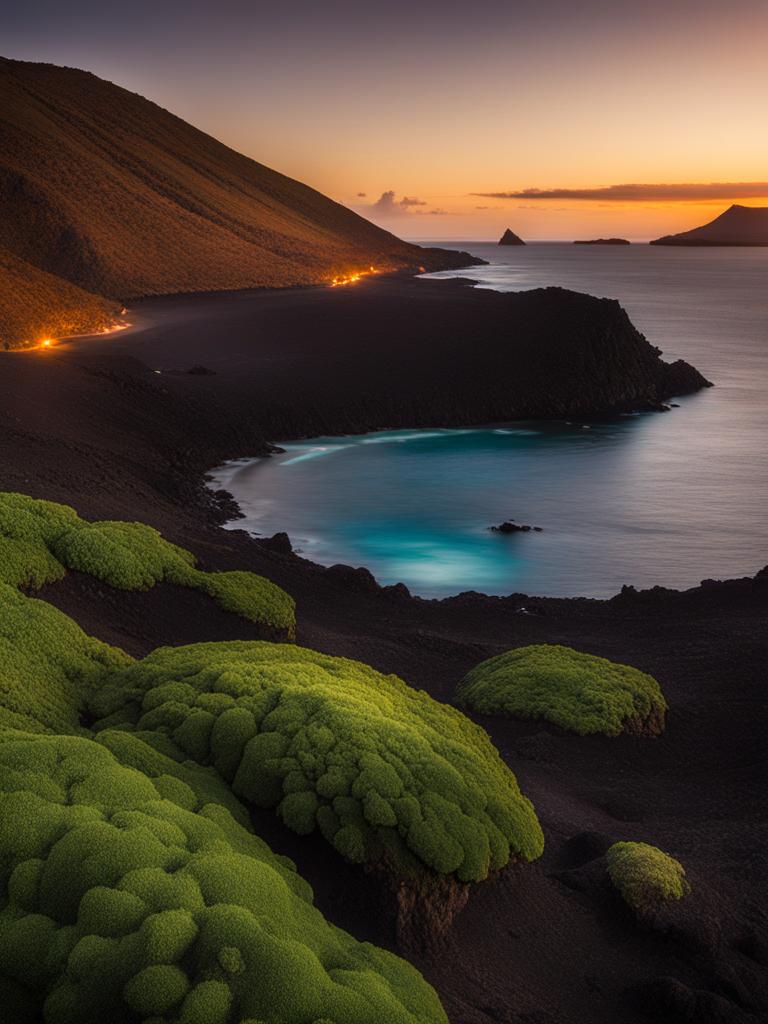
{"x": 47, "y": 664}
{"x": 579, "y": 692}
{"x": 122, "y": 904}
{"x": 646, "y": 877}
{"x": 383, "y": 770}
{"x": 40, "y": 540}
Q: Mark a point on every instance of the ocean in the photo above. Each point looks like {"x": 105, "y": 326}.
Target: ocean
{"x": 656, "y": 498}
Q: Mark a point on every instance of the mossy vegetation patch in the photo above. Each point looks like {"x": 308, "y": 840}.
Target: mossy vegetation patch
{"x": 385, "y": 772}
{"x": 40, "y": 540}
{"x": 578, "y": 692}
{"x": 646, "y": 877}
{"x": 47, "y": 664}
{"x": 128, "y": 900}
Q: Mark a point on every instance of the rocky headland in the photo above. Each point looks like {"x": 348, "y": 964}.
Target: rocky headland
{"x": 737, "y": 226}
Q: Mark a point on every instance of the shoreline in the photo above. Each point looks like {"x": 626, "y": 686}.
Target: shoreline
{"x": 95, "y": 427}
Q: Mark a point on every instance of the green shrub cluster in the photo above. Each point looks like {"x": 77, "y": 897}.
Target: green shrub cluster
{"x": 40, "y": 540}
{"x": 579, "y": 692}
{"x": 383, "y": 771}
{"x": 127, "y": 900}
{"x": 646, "y": 877}
{"x": 47, "y": 664}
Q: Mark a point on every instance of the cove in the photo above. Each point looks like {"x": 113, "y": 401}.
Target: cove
{"x": 619, "y": 501}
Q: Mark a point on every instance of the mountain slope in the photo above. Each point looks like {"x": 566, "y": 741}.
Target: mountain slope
{"x": 738, "y": 225}
{"x": 123, "y": 199}
{"x": 35, "y": 305}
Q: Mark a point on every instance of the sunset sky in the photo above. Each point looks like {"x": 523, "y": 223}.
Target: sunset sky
{"x": 430, "y": 118}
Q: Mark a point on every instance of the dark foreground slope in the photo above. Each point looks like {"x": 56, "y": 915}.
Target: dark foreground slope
{"x": 113, "y": 194}
{"x": 738, "y": 225}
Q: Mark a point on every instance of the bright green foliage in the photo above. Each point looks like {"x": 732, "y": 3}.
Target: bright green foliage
{"x": 130, "y": 556}
{"x": 28, "y": 528}
{"x": 383, "y": 770}
{"x": 47, "y": 664}
{"x": 645, "y": 876}
{"x": 40, "y": 540}
{"x": 127, "y": 905}
{"x": 578, "y": 692}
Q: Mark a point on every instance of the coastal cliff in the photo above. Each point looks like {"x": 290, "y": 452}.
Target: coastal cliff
{"x": 737, "y": 226}
{"x": 399, "y": 352}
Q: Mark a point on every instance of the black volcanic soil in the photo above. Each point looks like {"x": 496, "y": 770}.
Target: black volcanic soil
{"x": 93, "y": 425}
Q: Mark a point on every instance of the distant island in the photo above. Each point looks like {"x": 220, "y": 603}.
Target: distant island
{"x": 510, "y": 238}
{"x": 602, "y": 241}
{"x": 739, "y": 225}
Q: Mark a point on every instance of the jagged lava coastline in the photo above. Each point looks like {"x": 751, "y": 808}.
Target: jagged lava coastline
{"x": 436, "y": 353}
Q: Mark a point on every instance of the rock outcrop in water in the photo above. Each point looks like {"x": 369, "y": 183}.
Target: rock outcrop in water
{"x": 104, "y": 197}
{"x": 510, "y": 238}
{"x": 602, "y": 241}
{"x": 510, "y": 526}
{"x": 738, "y": 226}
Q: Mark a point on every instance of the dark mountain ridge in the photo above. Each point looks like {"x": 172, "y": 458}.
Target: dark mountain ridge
{"x": 738, "y": 225}
{"x": 112, "y": 194}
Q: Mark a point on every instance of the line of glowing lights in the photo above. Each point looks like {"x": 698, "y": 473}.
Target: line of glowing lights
{"x": 46, "y": 343}
{"x": 337, "y": 282}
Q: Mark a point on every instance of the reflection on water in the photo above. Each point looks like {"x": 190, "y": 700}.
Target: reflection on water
{"x": 664, "y": 499}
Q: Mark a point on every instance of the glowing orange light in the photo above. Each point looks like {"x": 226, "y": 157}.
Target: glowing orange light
{"x": 46, "y": 343}
{"x": 337, "y": 282}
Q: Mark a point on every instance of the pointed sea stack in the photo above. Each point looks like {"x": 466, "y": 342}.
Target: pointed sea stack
{"x": 739, "y": 225}
{"x": 510, "y": 238}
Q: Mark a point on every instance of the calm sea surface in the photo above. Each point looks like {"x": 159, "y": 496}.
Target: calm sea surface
{"x": 664, "y": 499}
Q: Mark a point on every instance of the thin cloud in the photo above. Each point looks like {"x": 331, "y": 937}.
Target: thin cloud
{"x": 362, "y": 195}
{"x": 642, "y": 192}
{"x": 388, "y": 205}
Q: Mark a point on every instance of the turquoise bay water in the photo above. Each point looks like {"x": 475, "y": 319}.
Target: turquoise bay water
{"x": 664, "y": 499}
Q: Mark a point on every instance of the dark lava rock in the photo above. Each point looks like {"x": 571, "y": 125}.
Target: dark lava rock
{"x": 668, "y": 1000}
{"x": 510, "y": 238}
{"x": 510, "y": 526}
{"x": 280, "y": 542}
{"x": 602, "y": 241}
{"x": 201, "y": 371}
{"x": 354, "y": 579}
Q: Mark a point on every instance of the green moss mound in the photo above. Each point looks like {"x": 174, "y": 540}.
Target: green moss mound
{"x": 40, "y": 540}
{"x": 646, "y": 877}
{"x": 579, "y": 692}
{"x": 385, "y": 772}
{"x": 47, "y": 665}
{"x": 127, "y": 900}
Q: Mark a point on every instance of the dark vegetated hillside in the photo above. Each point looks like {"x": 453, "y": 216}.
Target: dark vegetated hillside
{"x": 112, "y": 193}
